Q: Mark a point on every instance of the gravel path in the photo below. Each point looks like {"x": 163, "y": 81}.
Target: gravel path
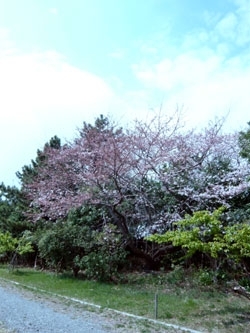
{"x": 25, "y": 311}
{"x": 23, "y": 314}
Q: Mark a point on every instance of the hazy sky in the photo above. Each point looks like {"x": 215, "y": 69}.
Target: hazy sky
{"x": 64, "y": 62}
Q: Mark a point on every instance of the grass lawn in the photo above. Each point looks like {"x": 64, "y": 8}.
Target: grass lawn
{"x": 181, "y": 300}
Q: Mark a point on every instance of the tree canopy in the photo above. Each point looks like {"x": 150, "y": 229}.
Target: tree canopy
{"x": 136, "y": 182}
{"x": 145, "y": 177}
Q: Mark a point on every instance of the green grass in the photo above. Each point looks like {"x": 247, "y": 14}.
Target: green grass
{"x": 180, "y": 301}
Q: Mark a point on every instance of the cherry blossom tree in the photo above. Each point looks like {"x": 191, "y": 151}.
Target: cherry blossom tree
{"x": 105, "y": 167}
{"x": 145, "y": 177}
{"x": 206, "y": 172}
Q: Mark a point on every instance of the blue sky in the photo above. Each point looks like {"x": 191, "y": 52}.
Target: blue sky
{"x": 65, "y": 62}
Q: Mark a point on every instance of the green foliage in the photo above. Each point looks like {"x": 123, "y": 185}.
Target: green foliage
{"x": 15, "y": 246}
{"x": 7, "y": 243}
{"x": 29, "y": 172}
{"x": 142, "y": 196}
{"x": 61, "y": 243}
{"x": 241, "y": 212}
{"x": 107, "y": 254}
{"x": 102, "y": 125}
{"x": 177, "y": 275}
{"x": 25, "y": 243}
{"x": 82, "y": 242}
{"x": 86, "y": 216}
{"x": 237, "y": 238}
{"x": 205, "y": 277}
{"x": 200, "y": 232}
{"x": 205, "y": 233}
{"x": 244, "y": 143}
{"x": 12, "y": 211}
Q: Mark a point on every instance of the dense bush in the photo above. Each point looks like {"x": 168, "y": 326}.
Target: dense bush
{"x": 208, "y": 234}
{"x": 106, "y": 256}
{"x": 11, "y": 247}
{"x": 82, "y": 242}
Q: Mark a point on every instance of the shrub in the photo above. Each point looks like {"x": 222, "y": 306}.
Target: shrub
{"x": 103, "y": 261}
{"x": 12, "y": 246}
{"x": 205, "y": 233}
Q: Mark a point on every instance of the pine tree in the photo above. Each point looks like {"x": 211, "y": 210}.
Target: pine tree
{"x": 244, "y": 143}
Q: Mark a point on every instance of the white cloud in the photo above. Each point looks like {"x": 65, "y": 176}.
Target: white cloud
{"x": 227, "y": 26}
{"x": 43, "y": 95}
{"x": 45, "y": 85}
{"x": 210, "y": 75}
{"x": 173, "y": 74}
{"x": 205, "y": 87}
{"x": 234, "y": 26}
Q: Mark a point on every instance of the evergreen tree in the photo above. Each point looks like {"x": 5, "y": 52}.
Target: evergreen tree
{"x": 244, "y": 143}
{"x": 12, "y": 210}
{"x": 29, "y": 172}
